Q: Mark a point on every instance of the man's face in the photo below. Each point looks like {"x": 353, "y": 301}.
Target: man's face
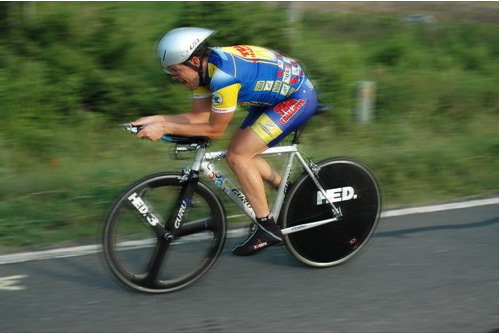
{"x": 185, "y": 75}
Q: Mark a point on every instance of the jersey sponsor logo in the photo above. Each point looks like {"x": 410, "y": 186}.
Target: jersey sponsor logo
{"x": 295, "y": 70}
{"x": 259, "y": 86}
{"x": 245, "y": 51}
{"x": 217, "y": 99}
{"x": 288, "y": 109}
{"x": 277, "y": 87}
{"x": 268, "y": 86}
{"x": 287, "y": 75}
{"x": 223, "y": 110}
{"x": 266, "y": 129}
{"x": 270, "y": 125}
{"x": 285, "y": 89}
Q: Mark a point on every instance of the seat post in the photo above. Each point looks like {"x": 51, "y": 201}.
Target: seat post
{"x": 297, "y": 134}
{"x": 319, "y": 109}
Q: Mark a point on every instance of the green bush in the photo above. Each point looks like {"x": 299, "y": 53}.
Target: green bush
{"x": 242, "y": 23}
{"x": 70, "y": 73}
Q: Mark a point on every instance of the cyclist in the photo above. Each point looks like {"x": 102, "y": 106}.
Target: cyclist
{"x": 280, "y": 96}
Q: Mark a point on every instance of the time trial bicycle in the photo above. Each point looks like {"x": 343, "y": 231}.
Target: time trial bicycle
{"x": 168, "y": 229}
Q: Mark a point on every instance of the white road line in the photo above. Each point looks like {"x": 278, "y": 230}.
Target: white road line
{"x": 9, "y": 283}
{"x": 441, "y": 207}
{"x": 92, "y": 249}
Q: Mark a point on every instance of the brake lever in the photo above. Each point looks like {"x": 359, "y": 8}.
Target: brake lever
{"x": 136, "y": 129}
{"x": 131, "y": 128}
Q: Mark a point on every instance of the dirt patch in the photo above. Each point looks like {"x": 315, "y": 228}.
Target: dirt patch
{"x": 481, "y": 12}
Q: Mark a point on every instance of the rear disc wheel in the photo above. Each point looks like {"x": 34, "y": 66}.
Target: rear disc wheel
{"x": 355, "y": 191}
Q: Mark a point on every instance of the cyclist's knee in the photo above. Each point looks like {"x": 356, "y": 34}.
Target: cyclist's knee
{"x": 243, "y": 148}
{"x": 236, "y": 159}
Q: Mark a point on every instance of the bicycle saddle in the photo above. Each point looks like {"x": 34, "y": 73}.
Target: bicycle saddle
{"x": 186, "y": 140}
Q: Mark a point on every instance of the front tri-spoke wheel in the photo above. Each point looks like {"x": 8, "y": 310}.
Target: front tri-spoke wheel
{"x": 137, "y": 246}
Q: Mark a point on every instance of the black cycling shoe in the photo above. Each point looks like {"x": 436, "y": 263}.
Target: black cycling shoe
{"x": 266, "y": 234}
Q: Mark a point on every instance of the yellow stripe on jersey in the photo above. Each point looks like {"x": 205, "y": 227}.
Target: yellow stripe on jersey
{"x": 224, "y": 100}
{"x": 211, "y": 70}
{"x": 266, "y": 129}
{"x": 250, "y": 52}
{"x": 201, "y": 93}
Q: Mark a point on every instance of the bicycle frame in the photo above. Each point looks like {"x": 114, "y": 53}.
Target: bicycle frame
{"x": 195, "y": 211}
{"x": 204, "y": 162}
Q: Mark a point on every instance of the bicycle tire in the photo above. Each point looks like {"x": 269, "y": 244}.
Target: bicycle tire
{"x": 356, "y": 193}
{"x": 131, "y": 245}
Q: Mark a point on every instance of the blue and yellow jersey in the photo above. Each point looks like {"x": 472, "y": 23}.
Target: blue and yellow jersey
{"x": 249, "y": 75}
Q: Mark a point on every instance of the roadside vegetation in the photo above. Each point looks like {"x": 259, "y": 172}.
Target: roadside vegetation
{"x": 70, "y": 73}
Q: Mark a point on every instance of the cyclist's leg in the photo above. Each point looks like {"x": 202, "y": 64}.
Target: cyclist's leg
{"x": 245, "y": 146}
{"x": 273, "y": 124}
{"x": 267, "y": 173}
{"x": 256, "y": 135}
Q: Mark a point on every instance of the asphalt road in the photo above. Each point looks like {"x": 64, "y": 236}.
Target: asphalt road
{"x": 431, "y": 272}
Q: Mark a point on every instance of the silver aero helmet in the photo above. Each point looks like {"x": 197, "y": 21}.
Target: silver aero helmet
{"x": 179, "y": 44}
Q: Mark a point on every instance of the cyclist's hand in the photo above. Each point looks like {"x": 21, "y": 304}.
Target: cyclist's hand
{"x": 153, "y": 131}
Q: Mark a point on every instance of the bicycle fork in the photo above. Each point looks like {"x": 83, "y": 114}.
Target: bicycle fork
{"x": 190, "y": 177}
{"x": 173, "y": 226}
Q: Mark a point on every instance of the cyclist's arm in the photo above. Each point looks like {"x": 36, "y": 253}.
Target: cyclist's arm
{"x": 214, "y": 128}
{"x": 222, "y": 104}
{"x": 209, "y": 117}
{"x": 201, "y": 122}
{"x": 200, "y": 112}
